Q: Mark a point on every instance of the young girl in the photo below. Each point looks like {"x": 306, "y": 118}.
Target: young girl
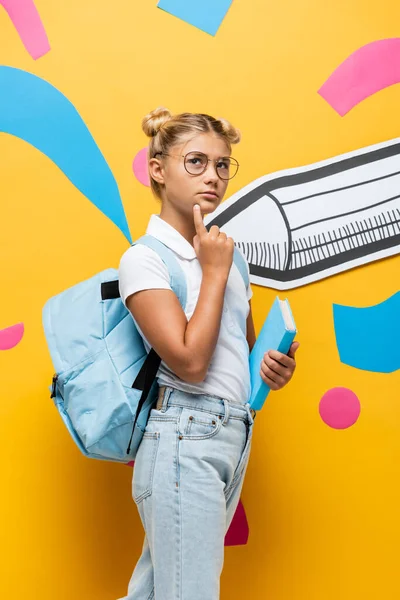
{"x": 191, "y": 463}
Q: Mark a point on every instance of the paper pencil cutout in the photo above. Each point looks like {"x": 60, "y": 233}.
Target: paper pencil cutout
{"x": 305, "y": 224}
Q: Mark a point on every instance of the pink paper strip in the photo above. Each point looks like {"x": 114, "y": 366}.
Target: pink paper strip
{"x": 238, "y": 532}
{"x": 27, "y": 22}
{"x": 368, "y": 70}
{"x": 11, "y": 336}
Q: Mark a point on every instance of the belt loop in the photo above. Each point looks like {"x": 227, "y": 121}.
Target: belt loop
{"x": 166, "y": 394}
{"x": 251, "y": 414}
{"x": 226, "y": 411}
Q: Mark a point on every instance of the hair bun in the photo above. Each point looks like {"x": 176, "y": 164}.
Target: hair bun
{"x": 153, "y": 122}
{"x": 233, "y": 135}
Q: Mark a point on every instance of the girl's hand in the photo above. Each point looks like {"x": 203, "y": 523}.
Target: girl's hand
{"x": 277, "y": 369}
{"x": 213, "y": 248}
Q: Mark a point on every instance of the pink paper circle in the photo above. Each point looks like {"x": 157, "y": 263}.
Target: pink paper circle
{"x": 339, "y": 408}
{"x": 140, "y": 167}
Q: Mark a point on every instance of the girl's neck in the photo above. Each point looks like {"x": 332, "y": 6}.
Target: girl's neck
{"x": 180, "y": 222}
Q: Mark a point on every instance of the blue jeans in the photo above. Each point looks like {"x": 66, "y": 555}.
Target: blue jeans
{"x": 187, "y": 480}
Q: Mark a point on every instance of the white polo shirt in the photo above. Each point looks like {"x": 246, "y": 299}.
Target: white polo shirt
{"x": 141, "y": 268}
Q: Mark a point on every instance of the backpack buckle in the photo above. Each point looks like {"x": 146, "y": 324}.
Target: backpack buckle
{"x": 53, "y": 386}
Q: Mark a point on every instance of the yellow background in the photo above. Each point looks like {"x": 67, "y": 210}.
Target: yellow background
{"x": 323, "y": 505}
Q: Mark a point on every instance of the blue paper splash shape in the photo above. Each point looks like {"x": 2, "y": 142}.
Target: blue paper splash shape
{"x": 36, "y": 112}
{"x": 368, "y": 338}
{"x": 206, "y": 15}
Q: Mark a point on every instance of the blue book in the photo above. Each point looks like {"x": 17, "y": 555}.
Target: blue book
{"x": 277, "y": 333}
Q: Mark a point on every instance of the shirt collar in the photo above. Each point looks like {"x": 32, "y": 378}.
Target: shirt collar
{"x": 169, "y": 236}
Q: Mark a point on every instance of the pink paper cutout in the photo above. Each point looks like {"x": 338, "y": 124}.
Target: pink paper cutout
{"x": 238, "y": 532}
{"x": 11, "y": 336}
{"x": 368, "y": 70}
{"x": 339, "y": 408}
{"x": 27, "y": 22}
{"x": 140, "y": 167}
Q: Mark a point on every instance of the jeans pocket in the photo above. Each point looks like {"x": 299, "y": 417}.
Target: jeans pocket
{"x": 199, "y": 425}
{"x": 143, "y": 470}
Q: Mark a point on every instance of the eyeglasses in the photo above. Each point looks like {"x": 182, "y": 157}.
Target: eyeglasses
{"x": 197, "y": 162}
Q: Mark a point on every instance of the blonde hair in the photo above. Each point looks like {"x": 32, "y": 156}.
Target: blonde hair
{"x": 166, "y": 130}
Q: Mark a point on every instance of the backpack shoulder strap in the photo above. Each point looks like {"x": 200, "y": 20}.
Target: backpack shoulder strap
{"x": 241, "y": 264}
{"x": 148, "y": 371}
{"x": 176, "y": 274}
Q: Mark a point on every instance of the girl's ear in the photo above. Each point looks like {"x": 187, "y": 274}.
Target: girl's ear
{"x": 156, "y": 170}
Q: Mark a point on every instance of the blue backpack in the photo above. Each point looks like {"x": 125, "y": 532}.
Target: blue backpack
{"x": 97, "y": 353}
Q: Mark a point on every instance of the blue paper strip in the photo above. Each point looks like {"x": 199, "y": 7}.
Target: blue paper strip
{"x": 368, "y": 338}
{"x": 36, "y": 112}
{"x": 207, "y": 15}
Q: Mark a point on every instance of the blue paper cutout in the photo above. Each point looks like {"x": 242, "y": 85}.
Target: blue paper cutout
{"x": 36, "y": 112}
{"x": 207, "y": 15}
{"x": 369, "y": 338}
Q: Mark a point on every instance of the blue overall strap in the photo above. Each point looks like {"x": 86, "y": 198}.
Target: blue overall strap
{"x": 176, "y": 274}
{"x": 241, "y": 264}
